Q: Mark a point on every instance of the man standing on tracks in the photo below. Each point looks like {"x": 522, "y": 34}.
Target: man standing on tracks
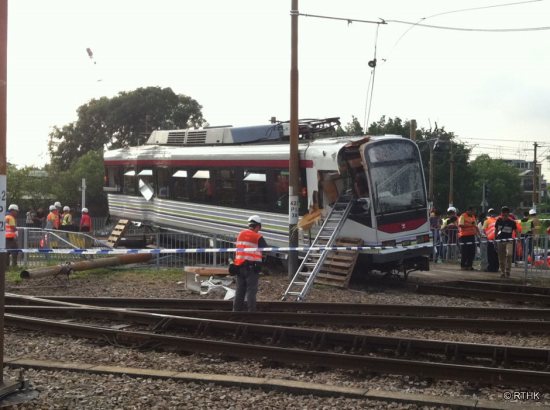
{"x": 467, "y": 232}
{"x": 10, "y": 221}
{"x": 249, "y": 263}
{"x": 505, "y": 228}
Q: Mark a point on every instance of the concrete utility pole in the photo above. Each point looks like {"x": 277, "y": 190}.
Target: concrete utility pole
{"x": 83, "y": 188}
{"x": 294, "y": 160}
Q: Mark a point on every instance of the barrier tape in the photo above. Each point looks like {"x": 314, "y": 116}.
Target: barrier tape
{"x": 107, "y": 251}
{"x": 209, "y": 250}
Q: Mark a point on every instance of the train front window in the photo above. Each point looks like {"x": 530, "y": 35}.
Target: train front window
{"x": 396, "y": 176}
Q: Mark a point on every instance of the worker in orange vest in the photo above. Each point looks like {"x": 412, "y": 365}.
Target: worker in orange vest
{"x": 489, "y": 229}
{"x": 249, "y": 264}
{"x": 53, "y": 219}
{"x": 10, "y": 221}
{"x": 467, "y": 232}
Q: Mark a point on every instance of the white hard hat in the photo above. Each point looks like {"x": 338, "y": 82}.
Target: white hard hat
{"x": 66, "y": 208}
{"x": 13, "y": 207}
{"x": 57, "y": 204}
{"x": 451, "y": 209}
{"x": 85, "y": 210}
{"x": 255, "y": 219}
{"x": 532, "y": 212}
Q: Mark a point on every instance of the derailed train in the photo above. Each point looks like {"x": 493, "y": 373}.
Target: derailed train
{"x": 210, "y": 180}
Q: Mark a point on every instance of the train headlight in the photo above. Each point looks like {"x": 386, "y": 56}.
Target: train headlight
{"x": 423, "y": 238}
{"x": 389, "y": 243}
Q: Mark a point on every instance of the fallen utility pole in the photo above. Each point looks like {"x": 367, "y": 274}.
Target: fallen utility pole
{"x": 67, "y": 268}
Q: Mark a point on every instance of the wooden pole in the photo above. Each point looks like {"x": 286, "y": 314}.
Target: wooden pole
{"x": 413, "y": 130}
{"x": 451, "y": 175}
{"x": 294, "y": 161}
{"x": 3, "y": 167}
{"x": 535, "y": 145}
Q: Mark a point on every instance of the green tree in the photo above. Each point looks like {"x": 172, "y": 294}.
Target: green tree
{"x": 503, "y": 179}
{"x": 124, "y": 120}
{"x": 28, "y": 187}
{"x": 68, "y": 183}
{"x": 352, "y": 128}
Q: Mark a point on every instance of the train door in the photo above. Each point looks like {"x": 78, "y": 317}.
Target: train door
{"x": 356, "y": 176}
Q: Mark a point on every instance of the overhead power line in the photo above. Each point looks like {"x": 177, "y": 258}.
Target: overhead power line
{"x": 488, "y": 30}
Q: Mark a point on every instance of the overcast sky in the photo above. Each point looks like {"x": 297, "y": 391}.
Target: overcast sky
{"x": 492, "y": 89}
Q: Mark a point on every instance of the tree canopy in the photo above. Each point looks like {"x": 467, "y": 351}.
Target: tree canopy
{"x": 124, "y": 120}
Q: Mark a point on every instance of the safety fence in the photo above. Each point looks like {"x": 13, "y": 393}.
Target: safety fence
{"x": 530, "y": 252}
{"x": 178, "y": 249}
{"x": 39, "y": 247}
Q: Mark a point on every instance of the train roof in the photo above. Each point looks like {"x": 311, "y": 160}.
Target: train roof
{"x": 324, "y": 146}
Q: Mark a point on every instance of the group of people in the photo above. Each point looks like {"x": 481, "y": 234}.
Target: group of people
{"x": 500, "y": 231}
{"x": 58, "y": 218}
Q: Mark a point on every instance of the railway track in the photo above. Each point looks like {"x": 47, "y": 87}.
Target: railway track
{"x": 493, "y": 364}
{"x": 311, "y": 319}
{"x": 489, "y": 291}
{"x": 312, "y": 307}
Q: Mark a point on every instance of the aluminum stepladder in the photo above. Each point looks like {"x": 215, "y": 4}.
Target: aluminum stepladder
{"x": 312, "y": 263}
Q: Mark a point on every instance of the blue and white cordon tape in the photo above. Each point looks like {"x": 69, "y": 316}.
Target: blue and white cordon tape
{"x": 103, "y": 251}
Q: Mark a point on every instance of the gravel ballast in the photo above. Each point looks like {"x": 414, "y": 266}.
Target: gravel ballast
{"x": 63, "y": 389}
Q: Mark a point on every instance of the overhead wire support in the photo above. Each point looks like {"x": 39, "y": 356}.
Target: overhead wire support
{"x": 348, "y": 20}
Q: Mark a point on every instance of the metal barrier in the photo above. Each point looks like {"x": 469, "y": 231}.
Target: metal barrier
{"x": 37, "y": 238}
{"x": 47, "y": 238}
{"x": 530, "y": 252}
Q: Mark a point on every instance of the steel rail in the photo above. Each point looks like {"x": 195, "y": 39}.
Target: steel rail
{"x": 466, "y": 292}
{"x": 314, "y": 307}
{"x": 501, "y": 287}
{"x": 480, "y": 374}
{"x": 320, "y": 339}
{"x": 311, "y": 319}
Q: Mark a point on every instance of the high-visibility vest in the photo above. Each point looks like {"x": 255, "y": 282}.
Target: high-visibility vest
{"x": 67, "y": 219}
{"x": 247, "y": 239}
{"x": 518, "y": 229}
{"x": 11, "y": 227}
{"x": 489, "y": 227}
{"x": 526, "y": 226}
{"x": 85, "y": 221}
{"x": 470, "y": 225}
{"x": 53, "y": 217}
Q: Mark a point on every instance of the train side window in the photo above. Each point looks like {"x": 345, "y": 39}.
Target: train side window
{"x": 129, "y": 187}
{"x": 226, "y": 187}
{"x": 281, "y": 190}
{"x": 163, "y": 182}
{"x": 146, "y": 175}
{"x": 255, "y": 189}
{"x": 113, "y": 179}
{"x": 203, "y": 187}
{"x": 180, "y": 185}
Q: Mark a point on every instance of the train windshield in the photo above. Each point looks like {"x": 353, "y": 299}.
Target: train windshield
{"x": 396, "y": 176}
